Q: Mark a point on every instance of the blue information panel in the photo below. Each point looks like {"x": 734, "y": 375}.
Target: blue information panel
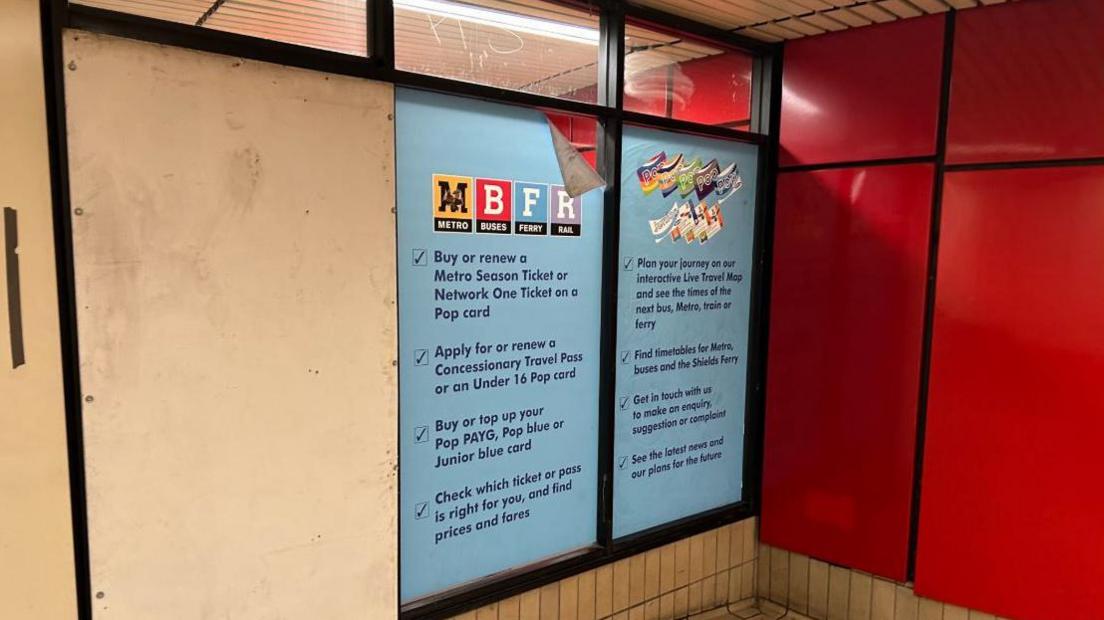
{"x": 499, "y": 307}
{"x": 684, "y": 299}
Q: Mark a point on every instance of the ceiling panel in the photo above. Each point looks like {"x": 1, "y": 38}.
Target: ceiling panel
{"x": 776, "y": 20}
{"x": 931, "y": 6}
{"x": 875, "y": 13}
{"x": 847, "y": 16}
{"x": 824, "y": 21}
{"x": 900, "y": 8}
{"x": 802, "y": 26}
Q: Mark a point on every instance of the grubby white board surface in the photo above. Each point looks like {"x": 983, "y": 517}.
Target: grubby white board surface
{"x": 235, "y": 271}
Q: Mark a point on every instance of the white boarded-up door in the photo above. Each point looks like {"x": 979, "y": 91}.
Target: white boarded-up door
{"x": 234, "y": 245}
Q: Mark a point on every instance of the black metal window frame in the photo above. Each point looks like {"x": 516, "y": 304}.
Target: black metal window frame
{"x": 379, "y": 64}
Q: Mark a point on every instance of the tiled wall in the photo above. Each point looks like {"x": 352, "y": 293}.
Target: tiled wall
{"x": 716, "y": 569}
{"x": 686, "y": 577}
{"x": 810, "y": 588}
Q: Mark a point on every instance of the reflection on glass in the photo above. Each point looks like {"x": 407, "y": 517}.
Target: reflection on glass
{"x": 685, "y": 79}
{"x": 335, "y": 25}
{"x": 530, "y": 46}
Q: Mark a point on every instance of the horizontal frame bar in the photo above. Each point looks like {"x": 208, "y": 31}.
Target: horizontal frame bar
{"x": 687, "y": 127}
{"x": 495, "y": 94}
{"x": 963, "y": 167}
{"x": 1041, "y": 163}
{"x": 862, "y": 163}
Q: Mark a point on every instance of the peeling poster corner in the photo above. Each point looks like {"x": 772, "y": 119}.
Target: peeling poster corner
{"x": 578, "y": 177}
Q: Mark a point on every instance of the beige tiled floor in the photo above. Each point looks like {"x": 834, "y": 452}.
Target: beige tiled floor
{"x": 717, "y": 576}
{"x": 799, "y": 587}
{"x": 688, "y": 578}
{"x": 749, "y": 610}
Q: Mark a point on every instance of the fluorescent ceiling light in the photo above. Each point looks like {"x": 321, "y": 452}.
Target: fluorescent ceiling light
{"x": 498, "y": 19}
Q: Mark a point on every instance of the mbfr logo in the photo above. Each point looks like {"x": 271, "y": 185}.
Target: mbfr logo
{"x": 567, "y": 213}
{"x": 452, "y": 203}
{"x": 493, "y": 206}
{"x": 482, "y": 205}
{"x": 531, "y": 200}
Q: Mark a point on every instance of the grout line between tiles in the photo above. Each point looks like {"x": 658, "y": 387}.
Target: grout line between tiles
{"x": 614, "y": 613}
{"x": 870, "y": 605}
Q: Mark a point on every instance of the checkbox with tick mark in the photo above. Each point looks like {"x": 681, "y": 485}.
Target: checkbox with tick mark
{"x": 628, "y": 262}
{"x": 624, "y": 401}
{"x": 421, "y": 357}
{"x": 420, "y": 257}
{"x": 421, "y": 510}
{"x": 622, "y": 462}
{"x": 421, "y": 434}
{"x": 625, "y": 356}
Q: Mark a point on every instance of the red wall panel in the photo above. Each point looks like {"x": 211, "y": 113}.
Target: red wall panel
{"x": 868, "y": 93}
{"x": 584, "y": 131}
{"x": 1028, "y": 82}
{"x": 1012, "y": 513}
{"x": 847, "y": 305}
{"x": 561, "y": 122}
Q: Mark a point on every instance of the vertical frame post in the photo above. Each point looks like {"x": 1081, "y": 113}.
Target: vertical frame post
{"x": 930, "y": 292}
{"x": 611, "y": 54}
{"x": 381, "y": 32}
{"x": 766, "y": 105}
{"x": 54, "y": 16}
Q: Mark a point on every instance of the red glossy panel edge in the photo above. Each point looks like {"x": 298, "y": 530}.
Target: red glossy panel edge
{"x": 868, "y": 93}
{"x": 1027, "y": 82}
{"x": 847, "y": 306}
{"x": 1011, "y": 507}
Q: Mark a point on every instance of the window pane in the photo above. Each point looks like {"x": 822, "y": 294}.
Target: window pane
{"x": 531, "y": 46}
{"x": 335, "y": 25}
{"x": 483, "y": 181}
{"x": 687, "y": 235}
{"x": 680, "y": 78}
